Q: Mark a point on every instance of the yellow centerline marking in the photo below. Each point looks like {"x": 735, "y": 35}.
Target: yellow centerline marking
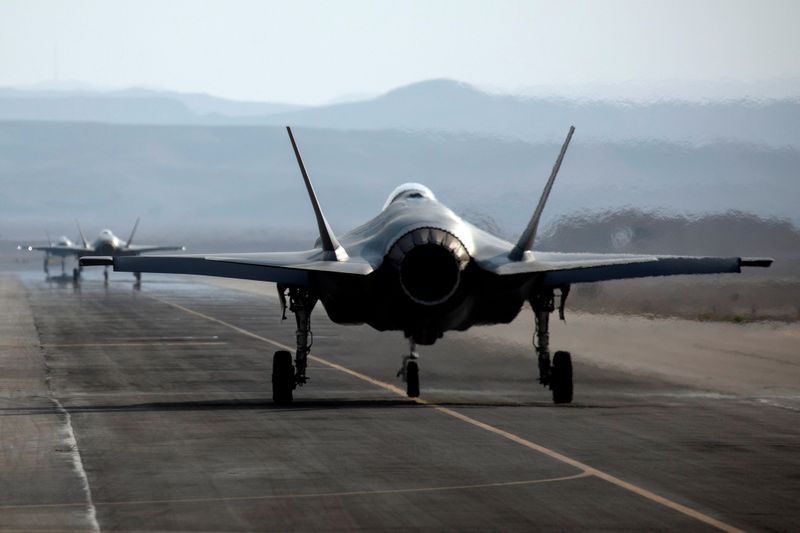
{"x": 339, "y": 494}
{"x": 586, "y": 469}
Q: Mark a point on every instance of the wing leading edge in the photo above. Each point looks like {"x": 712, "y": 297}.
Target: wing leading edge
{"x": 280, "y": 267}
{"x": 564, "y": 268}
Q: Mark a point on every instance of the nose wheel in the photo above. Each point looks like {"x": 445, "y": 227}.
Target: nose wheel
{"x": 409, "y": 371}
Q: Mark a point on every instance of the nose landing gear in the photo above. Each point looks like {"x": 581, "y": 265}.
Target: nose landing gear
{"x": 409, "y": 371}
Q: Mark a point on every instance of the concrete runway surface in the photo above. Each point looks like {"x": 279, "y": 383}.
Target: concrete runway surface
{"x": 150, "y": 410}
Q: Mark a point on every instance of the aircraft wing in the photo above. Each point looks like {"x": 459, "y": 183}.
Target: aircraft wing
{"x": 134, "y": 249}
{"x": 57, "y": 250}
{"x": 564, "y": 268}
{"x": 281, "y": 267}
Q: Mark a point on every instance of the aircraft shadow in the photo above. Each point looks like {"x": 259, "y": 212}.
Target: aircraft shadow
{"x": 265, "y": 404}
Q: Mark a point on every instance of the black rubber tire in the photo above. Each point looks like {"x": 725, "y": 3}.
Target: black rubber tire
{"x": 561, "y": 377}
{"x": 412, "y": 379}
{"x": 282, "y": 377}
{"x": 75, "y": 274}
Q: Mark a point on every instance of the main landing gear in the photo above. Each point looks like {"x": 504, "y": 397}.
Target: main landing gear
{"x": 285, "y": 376}
{"x": 76, "y": 274}
{"x": 558, "y": 374}
{"x": 409, "y": 371}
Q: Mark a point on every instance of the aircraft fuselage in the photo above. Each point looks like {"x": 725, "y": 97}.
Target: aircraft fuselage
{"x": 428, "y": 281}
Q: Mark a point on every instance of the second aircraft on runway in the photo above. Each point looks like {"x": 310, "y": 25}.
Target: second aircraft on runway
{"x": 106, "y": 244}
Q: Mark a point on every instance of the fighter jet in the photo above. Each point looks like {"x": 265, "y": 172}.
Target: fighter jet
{"x": 106, "y": 244}
{"x": 62, "y": 249}
{"x": 418, "y": 268}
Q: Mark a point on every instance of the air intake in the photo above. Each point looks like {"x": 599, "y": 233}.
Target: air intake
{"x": 429, "y": 262}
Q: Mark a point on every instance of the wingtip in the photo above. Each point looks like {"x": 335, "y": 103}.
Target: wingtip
{"x": 762, "y": 262}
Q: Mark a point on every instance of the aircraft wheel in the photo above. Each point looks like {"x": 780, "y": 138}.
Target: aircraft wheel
{"x": 282, "y": 377}
{"x": 76, "y": 274}
{"x": 105, "y": 276}
{"x": 137, "y": 276}
{"x": 561, "y": 377}
{"x": 412, "y": 379}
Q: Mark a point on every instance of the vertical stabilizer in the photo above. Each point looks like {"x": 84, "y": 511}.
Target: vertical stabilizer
{"x": 330, "y": 245}
{"x": 525, "y": 243}
{"x": 80, "y": 232}
{"x": 133, "y": 232}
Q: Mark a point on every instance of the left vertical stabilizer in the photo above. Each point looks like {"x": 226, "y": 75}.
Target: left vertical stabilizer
{"x": 330, "y": 245}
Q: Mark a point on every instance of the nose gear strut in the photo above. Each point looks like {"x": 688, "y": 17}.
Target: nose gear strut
{"x": 409, "y": 370}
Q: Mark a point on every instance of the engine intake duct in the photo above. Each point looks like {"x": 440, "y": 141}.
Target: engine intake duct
{"x": 429, "y": 262}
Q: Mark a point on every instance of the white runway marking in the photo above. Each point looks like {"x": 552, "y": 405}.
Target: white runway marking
{"x": 77, "y": 463}
{"x": 586, "y": 469}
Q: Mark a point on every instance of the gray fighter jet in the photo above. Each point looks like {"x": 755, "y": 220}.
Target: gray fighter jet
{"x": 418, "y": 268}
{"x": 61, "y": 249}
{"x": 106, "y": 244}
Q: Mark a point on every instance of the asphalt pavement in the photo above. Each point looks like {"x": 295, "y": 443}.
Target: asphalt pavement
{"x": 125, "y": 409}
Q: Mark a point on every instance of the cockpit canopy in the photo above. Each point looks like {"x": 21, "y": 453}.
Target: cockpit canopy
{"x": 409, "y": 191}
{"x": 107, "y": 236}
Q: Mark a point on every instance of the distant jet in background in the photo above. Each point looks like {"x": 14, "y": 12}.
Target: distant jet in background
{"x": 62, "y": 249}
{"x": 106, "y": 244}
{"x": 417, "y": 267}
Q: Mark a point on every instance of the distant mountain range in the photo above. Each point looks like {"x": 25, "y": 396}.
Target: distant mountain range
{"x": 433, "y": 106}
{"x": 128, "y": 106}
{"x": 243, "y": 181}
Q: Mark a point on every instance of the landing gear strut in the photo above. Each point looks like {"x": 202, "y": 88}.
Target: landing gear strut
{"x": 409, "y": 371}
{"x": 556, "y": 375}
{"x": 105, "y": 275}
{"x": 76, "y": 274}
{"x": 285, "y": 376}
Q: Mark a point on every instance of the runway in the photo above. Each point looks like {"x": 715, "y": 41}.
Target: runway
{"x": 150, "y": 410}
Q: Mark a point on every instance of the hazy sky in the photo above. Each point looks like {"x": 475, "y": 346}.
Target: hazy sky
{"x": 313, "y": 51}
